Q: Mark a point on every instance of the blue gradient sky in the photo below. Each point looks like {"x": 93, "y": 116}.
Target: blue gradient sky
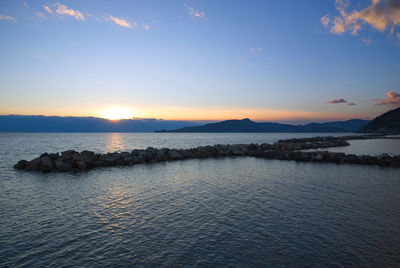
{"x": 201, "y": 60}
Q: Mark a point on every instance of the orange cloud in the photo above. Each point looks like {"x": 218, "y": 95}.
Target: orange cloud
{"x": 120, "y": 22}
{"x": 392, "y": 98}
{"x": 146, "y": 27}
{"x": 334, "y": 101}
{"x": 325, "y": 20}
{"x": 195, "y": 13}
{"x": 380, "y": 14}
{"x": 48, "y": 9}
{"x": 63, "y": 10}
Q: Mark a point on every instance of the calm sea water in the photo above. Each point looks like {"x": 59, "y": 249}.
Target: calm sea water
{"x": 213, "y": 212}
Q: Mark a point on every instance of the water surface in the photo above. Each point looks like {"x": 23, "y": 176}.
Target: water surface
{"x": 213, "y": 212}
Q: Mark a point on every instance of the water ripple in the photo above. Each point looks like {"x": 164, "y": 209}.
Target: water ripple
{"x": 232, "y": 212}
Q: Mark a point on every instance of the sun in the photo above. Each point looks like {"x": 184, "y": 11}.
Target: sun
{"x": 117, "y": 113}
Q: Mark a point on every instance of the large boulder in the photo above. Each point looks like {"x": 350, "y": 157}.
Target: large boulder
{"x": 21, "y": 164}
{"x": 63, "y": 166}
{"x": 67, "y": 155}
{"x": 174, "y": 155}
{"x": 81, "y": 164}
{"x": 33, "y": 165}
{"x": 46, "y": 164}
{"x": 161, "y": 155}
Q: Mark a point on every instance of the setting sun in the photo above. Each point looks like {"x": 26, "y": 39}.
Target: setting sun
{"x": 117, "y": 113}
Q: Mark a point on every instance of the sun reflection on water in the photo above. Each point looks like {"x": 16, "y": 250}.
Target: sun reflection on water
{"x": 115, "y": 142}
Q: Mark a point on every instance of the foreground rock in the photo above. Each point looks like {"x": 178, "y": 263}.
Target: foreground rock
{"x": 284, "y": 149}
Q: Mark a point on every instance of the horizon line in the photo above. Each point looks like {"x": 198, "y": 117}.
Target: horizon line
{"x": 311, "y": 120}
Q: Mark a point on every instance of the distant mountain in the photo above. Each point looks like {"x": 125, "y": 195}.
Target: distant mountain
{"x": 246, "y": 125}
{"x": 23, "y": 123}
{"x": 388, "y": 122}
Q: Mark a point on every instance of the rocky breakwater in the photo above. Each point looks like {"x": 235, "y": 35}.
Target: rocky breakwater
{"x": 284, "y": 150}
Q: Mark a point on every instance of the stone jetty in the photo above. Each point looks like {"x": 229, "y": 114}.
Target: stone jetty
{"x": 284, "y": 150}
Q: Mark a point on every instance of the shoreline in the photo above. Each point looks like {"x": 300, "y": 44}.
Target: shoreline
{"x": 290, "y": 149}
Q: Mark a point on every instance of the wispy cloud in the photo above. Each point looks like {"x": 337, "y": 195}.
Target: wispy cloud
{"x": 334, "y": 101}
{"x": 146, "y": 27}
{"x": 195, "y": 13}
{"x": 121, "y": 22}
{"x": 48, "y": 9}
{"x": 4, "y": 17}
{"x": 380, "y": 15}
{"x": 255, "y": 49}
{"x": 64, "y": 10}
{"x": 325, "y": 20}
{"x": 39, "y": 14}
{"x": 392, "y": 98}
{"x": 368, "y": 40}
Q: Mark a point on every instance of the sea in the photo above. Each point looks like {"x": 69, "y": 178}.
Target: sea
{"x": 221, "y": 212}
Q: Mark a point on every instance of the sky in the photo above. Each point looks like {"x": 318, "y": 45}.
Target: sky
{"x": 282, "y": 60}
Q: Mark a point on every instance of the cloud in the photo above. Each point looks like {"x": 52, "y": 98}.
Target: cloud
{"x": 255, "y": 49}
{"x": 368, "y": 40}
{"x": 338, "y": 26}
{"x": 380, "y": 15}
{"x": 195, "y": 13}
{"x": 351, "y": 104}
{"x": 63, "y": 10}
{"x": 325, "y": 20}
{"x": 334, "y": 101}
{"x": 121, "y": 22}
{"x": 4, "y": 17}
{"x": 39, "y": 14}
{"x": 146, "y": 27}
{"x": 48, "y": 9}
{"x": 392, "y": 98}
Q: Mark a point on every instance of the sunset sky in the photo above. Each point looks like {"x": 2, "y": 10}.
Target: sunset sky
{"x": 293, "y": 61}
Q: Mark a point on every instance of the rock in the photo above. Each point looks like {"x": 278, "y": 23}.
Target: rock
{"x": 46, "y": 164}
{"x": 221, "y": 150}
{"x": 266, "y": 146}
{"x": 161, "y": 155}
{"x": 21, "y": 164}
{"x": 54, "y": 156}
{"x": 286, "y": 149}
{"x": 65, "y": 167}
{"x": 237, "y": 149}
{"x": 351, "y": 158}
{"x": 81, "y": 164}
{"x": 128, "y": 159}
{"x": 59, "y": 164}
{"x": 395, "y": 164}
{"x": 33, "y": 165}
{"x": 304, "y": 156}
{"x": 145, "y": 155}
{"x": 67, "y": 155}
{"x": 87, "y": 153}
{"x": 174, "y": 155}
